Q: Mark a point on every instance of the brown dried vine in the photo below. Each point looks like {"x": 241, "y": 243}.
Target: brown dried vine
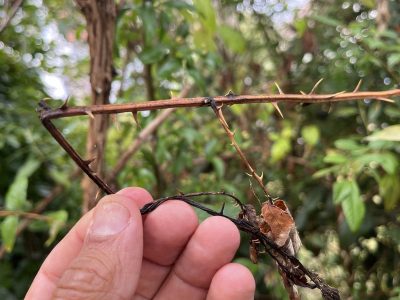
{"x": 288, "y": 264}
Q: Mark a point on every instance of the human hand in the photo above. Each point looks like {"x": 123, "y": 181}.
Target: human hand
{"x": 115, "y": 253}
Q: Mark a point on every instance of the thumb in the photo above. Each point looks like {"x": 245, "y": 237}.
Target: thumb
{"x": 108, "y": 266}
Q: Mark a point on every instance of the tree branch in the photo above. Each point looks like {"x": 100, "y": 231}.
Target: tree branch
{"x": 46, "y": 114}
{"x": 100, "y": 24}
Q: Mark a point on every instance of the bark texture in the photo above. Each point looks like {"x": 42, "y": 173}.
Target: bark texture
{"x": 100, "y": 17}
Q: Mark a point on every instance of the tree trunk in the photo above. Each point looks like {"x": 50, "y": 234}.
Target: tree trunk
{"x": 100, "y": 18}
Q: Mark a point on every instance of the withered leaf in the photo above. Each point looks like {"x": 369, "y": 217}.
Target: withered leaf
{"x": 279, "y": 224}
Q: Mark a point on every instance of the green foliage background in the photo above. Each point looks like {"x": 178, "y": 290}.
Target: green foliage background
{"x": 337, "y": 166}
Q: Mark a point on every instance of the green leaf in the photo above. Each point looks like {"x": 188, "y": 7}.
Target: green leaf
{"x": 347, "y": 144}
{"x": 310, "y": 134}
{"x": 211, "y": 148}
{"x": 207, "y": 13}
{"x": 57, "y": 222}
{"x": 280, "y": 149}
{"x": 178, "y": 4}
{"x": 393, "y": 60}
{"x": 389, "y": 189}
{"x": 9, "y": 232}
{"x": 203, "y": 39}
{"x": 342, "y": 190}
{"x": 334, "y": 157}
{"x": 17, "y": 192}
{"x": 232, "y": 38}
{"x": 168, "y": 68}
{"x": 326, "y": 20}
{"x": 219, "y": 166}
{"x": 386, "y": 160}
{"x": 149, "y": 19}
{"x": 326, "y": 171}
{"x": 390, "y": 133}
{"x": 60, "y": 177}
{"x": 153, "y": 55}
{"x": 300, "y": 25}
{"x": 369, "y": 3}
{"x": 353, "y": 206}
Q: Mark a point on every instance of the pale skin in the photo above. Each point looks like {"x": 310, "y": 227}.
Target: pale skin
{"x": 115, "y": 253}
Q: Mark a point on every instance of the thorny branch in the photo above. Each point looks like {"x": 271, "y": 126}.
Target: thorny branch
{"x": 288, "y": 264}
{"x": 231, "y": 135}
{"x": 47, "y": 114}
{"x": 294, "y": 270}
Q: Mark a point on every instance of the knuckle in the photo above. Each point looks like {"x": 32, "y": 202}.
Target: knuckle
{"x": 90, "y": 276}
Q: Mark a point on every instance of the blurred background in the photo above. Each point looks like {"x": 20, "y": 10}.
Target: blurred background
{"x": 335, "y": 165}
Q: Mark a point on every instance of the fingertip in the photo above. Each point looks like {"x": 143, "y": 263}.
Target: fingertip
{"x": 232, "y": 281}
{"x": 167, "y": 230}
{"x": 139, "y": 195}
{"x": 222, "y": 228}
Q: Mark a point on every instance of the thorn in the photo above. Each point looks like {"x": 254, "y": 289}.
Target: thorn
{"x": 180, "y": 192}
{"x": 65, "y": 104}
{"x": 301, "y": 92}
{"x": 89, "y": 161}
{"x": 90, "y": 114}
{"x": 358, "y": 86}
{"x": 330, "y": 107}
{"x": 275, "y": 104}
{"x": 230, "y": 94}
{"x": 279, "y": 89}
{"x": 315, "y": 86}
{"x": 97, "y": 197}
{"x": 337, "y": 94}
{"x": 135, "y": 117}
{"x": 262, "y": 176}
{"x": 221, "y": 212}
{"x": 385, "y": 99}
{"x": 248, "y": 174}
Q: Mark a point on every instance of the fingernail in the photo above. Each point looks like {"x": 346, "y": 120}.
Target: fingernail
{"x": 109, "y": 219}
